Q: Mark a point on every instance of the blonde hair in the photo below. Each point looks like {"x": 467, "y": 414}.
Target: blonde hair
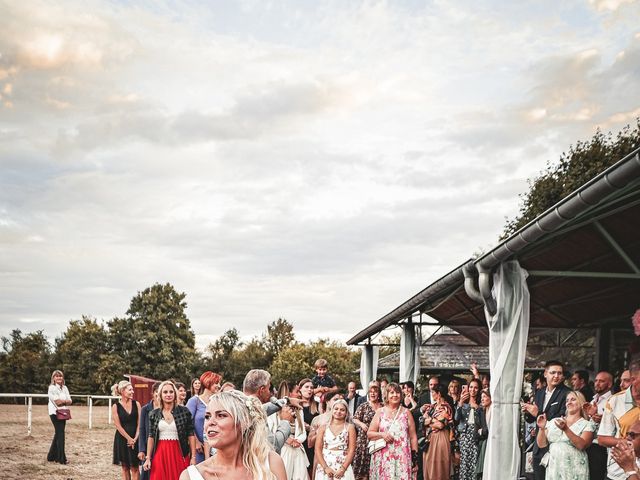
{"x": 117, "y": 388}
{"x": 581, "y": 401}
{"x": 57, "y": 372}
{"x": 251, "y": 420}
{"x": 175, "y": 393}
{"x": 341, "y": 401}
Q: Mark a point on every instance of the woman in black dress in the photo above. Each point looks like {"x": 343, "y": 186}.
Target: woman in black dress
{"x": 126, "y": 414}
{"x": 310, "y": 410}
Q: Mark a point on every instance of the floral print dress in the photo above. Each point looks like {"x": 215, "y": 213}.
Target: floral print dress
{"x": 362, "y": 459}
{"x": 566, "y": 462}
{"x": 334, "y": 452}
{"x": 393, "y": 462}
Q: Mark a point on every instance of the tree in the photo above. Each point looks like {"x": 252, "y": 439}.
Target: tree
{"x": 279, "y": 336}
{"x": 79, "y": 351}
{"x": 25, "y": 365}
{"x": 583, "y": 161}
{"x": 295, "y": 363}
{"x": 218, "y": 353}
{"x": 154, "y": 339}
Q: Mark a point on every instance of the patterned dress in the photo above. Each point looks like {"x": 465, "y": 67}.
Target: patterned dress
{"x": 393, "y": 462}
{"x": 465, "y": 416}
{"x": 334, "y": 451}
{"x": 566, "y": 462}
{"x": 362, "y": 459}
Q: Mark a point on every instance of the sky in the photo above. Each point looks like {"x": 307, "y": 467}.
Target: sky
{"x": 320, "y": 161}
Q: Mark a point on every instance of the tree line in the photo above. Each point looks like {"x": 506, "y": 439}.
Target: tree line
{"x": 155, "y": 339}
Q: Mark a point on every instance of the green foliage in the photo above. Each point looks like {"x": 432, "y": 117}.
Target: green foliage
{"x": 217, "y": 357}
{"x": 279, "y": 337}
{"x": 296, "y": 362}
{"x": 154, "y": 339}
{"x": 25, "y": 363}
{"x": 79, "y": 352}
{"x": 576, "y": 167}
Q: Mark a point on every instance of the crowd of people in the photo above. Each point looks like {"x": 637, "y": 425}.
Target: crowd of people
{"x": 311, "y": 430}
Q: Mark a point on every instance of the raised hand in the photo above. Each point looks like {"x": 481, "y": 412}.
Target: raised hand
{"x": 541, "y": 421}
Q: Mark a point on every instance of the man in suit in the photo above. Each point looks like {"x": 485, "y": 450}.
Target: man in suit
{"x": 551, "y": 402}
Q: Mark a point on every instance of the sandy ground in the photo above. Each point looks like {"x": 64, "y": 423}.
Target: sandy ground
{"x": 88, "y": 451}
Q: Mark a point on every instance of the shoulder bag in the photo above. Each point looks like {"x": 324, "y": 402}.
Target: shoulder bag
{"x": 375, "y": 445}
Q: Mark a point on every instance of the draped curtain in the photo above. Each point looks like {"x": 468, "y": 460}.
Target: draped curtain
{"x": 508, "y": 331}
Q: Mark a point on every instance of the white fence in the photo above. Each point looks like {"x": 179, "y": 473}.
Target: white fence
{"x": 30, "y": 396}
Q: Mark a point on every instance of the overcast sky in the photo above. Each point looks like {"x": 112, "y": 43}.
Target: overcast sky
{"x": 318, "y": 161}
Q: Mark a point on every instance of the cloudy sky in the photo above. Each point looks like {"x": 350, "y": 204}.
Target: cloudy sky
{"x": 318, "y": 161}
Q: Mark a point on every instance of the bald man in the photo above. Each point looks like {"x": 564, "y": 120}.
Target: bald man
{"x": 597, "y": 454}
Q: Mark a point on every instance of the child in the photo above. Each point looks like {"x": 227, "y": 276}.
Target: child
{"x": 322, "y": 383}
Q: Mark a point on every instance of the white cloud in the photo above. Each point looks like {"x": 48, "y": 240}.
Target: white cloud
{"x": 321, "y": 163}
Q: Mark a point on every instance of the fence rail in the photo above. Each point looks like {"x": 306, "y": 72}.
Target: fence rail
{"x": 30, "y": 396}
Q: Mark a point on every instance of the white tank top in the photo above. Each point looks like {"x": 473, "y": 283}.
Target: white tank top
{"x": 194, "y": 474}
{"x": 167, "y": 431}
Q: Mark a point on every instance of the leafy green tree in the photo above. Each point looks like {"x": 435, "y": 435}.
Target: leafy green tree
{"x": 217, "y": 355}
{"x": 279, "y": 337}
{"x": 25, "y": 363}
{"x": 296, "y": 362}
{"x": 576, "y": 167}
{"x": 79, "y": 351}
{"x": 154, "y": 339}
{"x": 252, "y": 355}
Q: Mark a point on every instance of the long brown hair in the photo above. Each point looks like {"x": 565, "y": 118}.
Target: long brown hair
{"x": 313, "y": 405}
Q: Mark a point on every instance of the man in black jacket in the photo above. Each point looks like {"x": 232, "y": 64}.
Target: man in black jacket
{"x": 550, "y": 401}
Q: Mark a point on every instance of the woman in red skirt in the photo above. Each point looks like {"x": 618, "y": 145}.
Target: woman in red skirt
{"x": 171, "y": 442}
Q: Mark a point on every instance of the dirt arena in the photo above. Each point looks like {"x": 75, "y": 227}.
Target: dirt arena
{"x": 88, "y": 451}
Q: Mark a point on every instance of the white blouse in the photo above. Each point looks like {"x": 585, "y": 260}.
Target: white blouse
{"x": 57, "y": 393}
{"x": 167, "y": 431}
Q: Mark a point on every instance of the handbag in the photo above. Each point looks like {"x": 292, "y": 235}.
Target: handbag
{"x": 63, "y": 414}
{"x": 375, "y": 445}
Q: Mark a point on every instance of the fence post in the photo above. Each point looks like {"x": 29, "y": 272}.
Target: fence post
{"x": 90, "y": 402}
{"x": 109, "y": 411}
{"x": 29, "y": 415}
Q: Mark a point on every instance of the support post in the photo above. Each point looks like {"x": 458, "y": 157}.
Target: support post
{"x": 109, "y": 411}
{"x": 29, "y": 415}
{"x": 603, "y": 344}
{"x": 90, "y": 403}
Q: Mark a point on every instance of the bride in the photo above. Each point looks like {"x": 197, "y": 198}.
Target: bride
{"x": 236, "y": 427}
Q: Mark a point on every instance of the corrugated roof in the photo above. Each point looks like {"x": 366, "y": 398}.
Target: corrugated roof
{"x": 595, "y": 230}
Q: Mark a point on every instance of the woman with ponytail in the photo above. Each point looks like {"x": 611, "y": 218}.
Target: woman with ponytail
{"x": 236, "y": 426}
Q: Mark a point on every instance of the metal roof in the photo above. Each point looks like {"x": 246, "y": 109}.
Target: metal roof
{"x": 582, "y": 255}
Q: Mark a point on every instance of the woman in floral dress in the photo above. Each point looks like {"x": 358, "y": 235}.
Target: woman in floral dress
{"x": 567, "y": 437}
{"x": 362, "y": 419}
{"x": 394, "y": 423}
{"x": 466, "y": 418}
{"x": 336, "y": 445}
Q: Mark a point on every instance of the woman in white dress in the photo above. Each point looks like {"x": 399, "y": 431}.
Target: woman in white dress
{"x": 292, "y": 452}
{"x": 336, "y": 445}
{"x": 236, "y": 426}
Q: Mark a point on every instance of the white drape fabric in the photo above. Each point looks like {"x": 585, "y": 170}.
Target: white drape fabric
{"x": 508, "y": 331}
{"x": 368, "y": 366}
{"x": 410, "y": 352}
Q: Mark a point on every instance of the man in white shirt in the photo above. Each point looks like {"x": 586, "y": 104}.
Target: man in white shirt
{"x": 620, "y": 413}
{"x": 597, "y": 454}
